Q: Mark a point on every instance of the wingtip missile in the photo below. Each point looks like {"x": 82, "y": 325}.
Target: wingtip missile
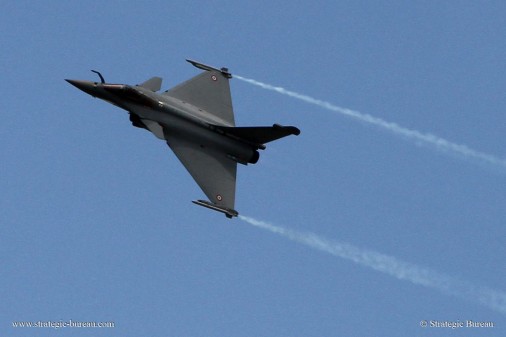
{"x": 229, "y": 213}
{"x": 203, "y": 66}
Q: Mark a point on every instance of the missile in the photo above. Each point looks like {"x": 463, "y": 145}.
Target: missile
{"x": 229, "y": 213}
{"x": 203, "y": 66}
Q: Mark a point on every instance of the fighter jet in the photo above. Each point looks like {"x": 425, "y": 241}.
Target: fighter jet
{"x": 196, "y": 120}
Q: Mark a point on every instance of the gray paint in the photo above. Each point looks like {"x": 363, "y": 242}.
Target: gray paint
{"x": 196, "y": 119}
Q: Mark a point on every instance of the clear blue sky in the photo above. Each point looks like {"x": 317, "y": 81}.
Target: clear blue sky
{"x": 96, "y": 219}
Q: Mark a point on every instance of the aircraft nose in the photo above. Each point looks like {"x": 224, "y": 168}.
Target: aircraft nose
{"x": 86, "y": 86}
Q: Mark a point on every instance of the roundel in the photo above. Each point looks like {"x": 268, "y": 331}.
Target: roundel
{"x": 214, "y": 78}
{"x": 219, "y": 197}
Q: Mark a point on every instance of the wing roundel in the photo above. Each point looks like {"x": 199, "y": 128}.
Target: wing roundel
{"x": 208, "y": 91}
{"x": 214, "y": 172}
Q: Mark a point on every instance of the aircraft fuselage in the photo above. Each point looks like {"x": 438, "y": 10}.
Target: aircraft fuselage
{"x": 196, "y": 119}
{"x": 171, "y": 115}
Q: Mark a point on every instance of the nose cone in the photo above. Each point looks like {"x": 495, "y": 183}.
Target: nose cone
{"x": 86, "y": 86}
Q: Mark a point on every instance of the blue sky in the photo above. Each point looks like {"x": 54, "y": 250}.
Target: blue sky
{"x": 96, "y": 218}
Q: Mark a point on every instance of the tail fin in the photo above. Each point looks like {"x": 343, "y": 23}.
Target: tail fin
{"x": 260, "y": 135}
{"x": 153, "y": 84}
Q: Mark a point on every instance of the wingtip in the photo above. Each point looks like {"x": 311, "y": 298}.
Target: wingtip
{"x": 224, "y": 71}
{"x": 229, "y": 213}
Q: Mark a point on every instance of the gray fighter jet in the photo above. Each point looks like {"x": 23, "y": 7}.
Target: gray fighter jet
{"x": 196, "y": 120}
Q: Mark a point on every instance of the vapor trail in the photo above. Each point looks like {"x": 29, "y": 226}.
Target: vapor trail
{"x": 423, "y": 138}
{"x": 495, "y": 300}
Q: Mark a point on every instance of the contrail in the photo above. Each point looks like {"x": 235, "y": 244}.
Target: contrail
{"x": 423, "y": 138}
{"x": 495, "y": 300}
